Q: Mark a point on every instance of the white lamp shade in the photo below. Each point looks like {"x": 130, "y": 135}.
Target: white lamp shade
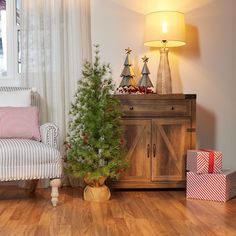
{"x": 164, "y": 25}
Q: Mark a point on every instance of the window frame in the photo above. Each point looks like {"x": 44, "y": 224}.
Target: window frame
{"x": 13, "y": 77}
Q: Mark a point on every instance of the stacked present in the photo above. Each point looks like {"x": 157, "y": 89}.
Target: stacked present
{"x": 205, "y": 178}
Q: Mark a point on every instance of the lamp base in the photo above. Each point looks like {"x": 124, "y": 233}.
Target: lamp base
{"x": 163, "y": 85}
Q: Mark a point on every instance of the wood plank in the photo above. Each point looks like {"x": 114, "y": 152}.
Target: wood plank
{"x": 136, "y": 139}
{"x": 168, "y": 144}
{"x": 173, "y": 96}
{"x": 128, "y": 213}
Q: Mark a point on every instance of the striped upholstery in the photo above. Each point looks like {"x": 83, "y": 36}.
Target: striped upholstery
{"x": 28, "y": 159}
{"x": 22, "y": 159}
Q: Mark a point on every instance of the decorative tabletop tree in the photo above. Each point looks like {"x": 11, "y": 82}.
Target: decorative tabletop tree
{"x": 127, "y": 83}
{"x": 145, "y": 83}
{"x": 95, "y": 148}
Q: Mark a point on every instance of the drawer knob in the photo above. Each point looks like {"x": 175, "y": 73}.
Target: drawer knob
{"x": 131, "y": 108}
{"x": 172, "y": 108}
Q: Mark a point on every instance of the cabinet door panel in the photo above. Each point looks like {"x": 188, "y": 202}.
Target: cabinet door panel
{"x": 137, "y": 135}
{"x": 172, "y": 140}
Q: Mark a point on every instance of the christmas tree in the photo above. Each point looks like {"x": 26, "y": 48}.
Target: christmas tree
{"x": 145, "y": 82}
{"x": 94, "y": 137}
{"x": 128, "y": 72}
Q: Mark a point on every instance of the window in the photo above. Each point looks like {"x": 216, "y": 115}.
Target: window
{"x": 10, "y": 64}
{"x": 3, "y": 39}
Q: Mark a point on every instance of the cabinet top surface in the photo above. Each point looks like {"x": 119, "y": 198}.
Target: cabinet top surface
{"x": 156, "y": 96}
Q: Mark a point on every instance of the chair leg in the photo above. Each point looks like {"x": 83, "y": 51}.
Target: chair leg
{"x": 55, "y": 183}
{"x": 33, "y": 185}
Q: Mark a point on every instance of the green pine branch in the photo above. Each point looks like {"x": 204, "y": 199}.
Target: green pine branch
{"x": 94, "y": 137}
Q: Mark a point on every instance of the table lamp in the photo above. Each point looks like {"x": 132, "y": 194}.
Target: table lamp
{"x": 164, "y": 29}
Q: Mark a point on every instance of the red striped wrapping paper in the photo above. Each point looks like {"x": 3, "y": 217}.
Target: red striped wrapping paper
{"x": 200, "y": 161}
{"x": 214, "y": 187}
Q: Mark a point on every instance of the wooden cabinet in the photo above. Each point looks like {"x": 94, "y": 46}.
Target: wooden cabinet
{"x": 158, "y": 130}
{"x": 170, "y": 141}
{"x": 138, "y": 144}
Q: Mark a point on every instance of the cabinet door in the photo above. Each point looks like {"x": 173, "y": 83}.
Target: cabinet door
{"x": 137, "y": 135}
{"x": 171, "y": 140}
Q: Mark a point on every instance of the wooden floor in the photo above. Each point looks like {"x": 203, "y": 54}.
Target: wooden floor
{"x": 127, "y": 213}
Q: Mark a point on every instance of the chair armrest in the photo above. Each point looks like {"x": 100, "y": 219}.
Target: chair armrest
{"x": 49, "y": 134}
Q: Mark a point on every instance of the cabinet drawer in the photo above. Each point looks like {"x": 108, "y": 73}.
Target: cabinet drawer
{"x": 156, "y": 108}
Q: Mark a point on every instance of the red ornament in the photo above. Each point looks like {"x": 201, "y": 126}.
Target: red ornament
{"x": 109, "y": 109}
{"x": 122, "y": 141}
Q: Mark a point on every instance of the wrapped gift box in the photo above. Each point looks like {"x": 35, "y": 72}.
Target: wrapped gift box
{"x": 204, "y": 161}
{"x": 215, "y": 187}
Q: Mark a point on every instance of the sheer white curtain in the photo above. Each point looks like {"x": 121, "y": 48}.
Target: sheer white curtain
{"x": 55, "y": 40}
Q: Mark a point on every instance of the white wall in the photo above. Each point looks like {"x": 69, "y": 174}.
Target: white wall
{"x": 115, "y": 28}
{"x": 206, "y": 66}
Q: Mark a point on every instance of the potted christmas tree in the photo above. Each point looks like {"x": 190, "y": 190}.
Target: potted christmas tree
{"x": 94, "y": 141}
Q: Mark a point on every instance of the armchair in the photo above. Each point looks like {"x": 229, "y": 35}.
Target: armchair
{"x": 27, "y": 159}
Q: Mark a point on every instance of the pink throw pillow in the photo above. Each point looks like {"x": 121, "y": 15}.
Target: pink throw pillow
{"x": 19, "y": 122}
